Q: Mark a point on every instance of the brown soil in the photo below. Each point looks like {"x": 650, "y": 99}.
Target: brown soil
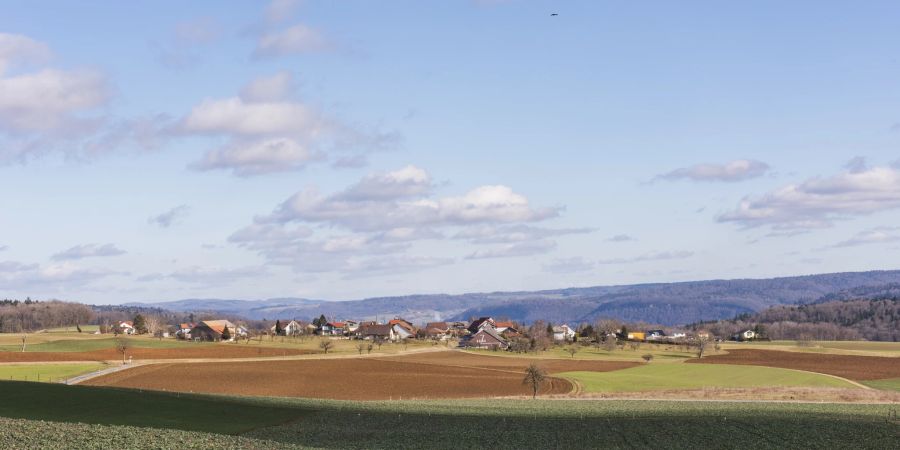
{"x": 847, "y": 366}
{"x": 345, "y": 379}
{"x": 460, "y": 359}
{"x": 138, "y": 354}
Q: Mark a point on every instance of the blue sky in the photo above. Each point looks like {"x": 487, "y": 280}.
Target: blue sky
{"x": 162, "y": 150}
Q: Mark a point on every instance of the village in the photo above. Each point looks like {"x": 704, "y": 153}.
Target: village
{"x": 481, "y": 333}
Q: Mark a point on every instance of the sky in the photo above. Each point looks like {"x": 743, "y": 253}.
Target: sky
{"x": 153, "y": 151}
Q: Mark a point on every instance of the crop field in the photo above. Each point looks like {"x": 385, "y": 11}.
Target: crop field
{"x": 890, "y": 384}
{"x": 653, "y": 377}
{"x": 294, "y": 423}
{"x": 660, "y": 352}
{"x": 860, "y": 348}
{"x": 142, "y": 349}
{"x": 491, "y": 360}
{"x": 45, "y": 372}
{"x": 346, "y": 378}
{"x": 857, "y": 368}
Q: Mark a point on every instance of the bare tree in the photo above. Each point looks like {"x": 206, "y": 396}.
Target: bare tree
{"x": 702, "y": 343}
{"x": 326, "y": 345}
{"x": 648, "y": 357}
{"x": 24, "y": 338}
{"x": 360, "y": 347}
{"x": 122, "y": 347}
{"x": 634, "y": 345}
{"x": 534, "y": 376}
{"x": 572, "y": 350}
{"x": 369, "y": 347}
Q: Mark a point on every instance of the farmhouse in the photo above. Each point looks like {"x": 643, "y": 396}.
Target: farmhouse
{"x": 746, "y": 335}
{"x": 288, "y": 328}
{"x": 376, "y": 332}
{"x": 480, "y": 323}
{"x": 125, "y": 327}
{"x": 212, "y": 330}
{"x": 636, "y": 335}
{"x": 563, "y": 333}
{"x": 488, "y": 338}
{"x": 503, "y": 326}
{"x": 184, "y": 330}
{"x": 437, "y": 330}
{"x": 332, "y": 329}
{"x": 655, "y": 335}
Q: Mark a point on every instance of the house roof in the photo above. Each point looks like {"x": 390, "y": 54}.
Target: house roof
{"x": 375, "y": 330}
{"x": 562, "y": 329}
{"x": 336, "y": 324}
{"x": 490, "y": 331}
{"x": 127, "y": 323}
{"x": 404, "y": 324}
{"x": 479, "y": 323}
{"x": 186, "y": 326}
{"x": 437, "y": 325}
{"x": 217, "y": 325}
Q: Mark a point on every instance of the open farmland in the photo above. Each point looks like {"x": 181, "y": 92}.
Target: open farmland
{"x": 857, "y": 368}
{"x": 45, "y": 372}
{"x": 404, "y": 377}
{"x": 654, "y": 377}
{"x": 293, "y": 423}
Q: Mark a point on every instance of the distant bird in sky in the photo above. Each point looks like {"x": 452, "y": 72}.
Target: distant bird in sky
{"x": 553, "y": 14}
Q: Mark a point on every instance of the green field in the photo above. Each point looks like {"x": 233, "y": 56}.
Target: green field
{"x": 424, "y": 424}
{"x": 93, "y": 343}
{"x": 45, "y": 372}
{"x": 72, "y": 329}
{"x": 891, "y": 384}
{"x": 652, "y": 377}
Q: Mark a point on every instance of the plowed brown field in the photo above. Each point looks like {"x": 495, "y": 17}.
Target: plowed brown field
{"x": 110, "y": 354}
{"x": 434, "y": 375}
{"x": 847, "y": 366}
{"x": 514, "y": 364}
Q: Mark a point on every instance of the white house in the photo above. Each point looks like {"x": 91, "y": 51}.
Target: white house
{"x": 563, "y": 333}
{"x": 125, "y": 327}
{"x": 289, "y": 328}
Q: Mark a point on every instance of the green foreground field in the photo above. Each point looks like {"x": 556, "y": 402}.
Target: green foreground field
{"x": 654, "y": 376}
{"x": 118, "y": 418}
{"x": 46, "y": 372}
{"x": 891, "y": 384}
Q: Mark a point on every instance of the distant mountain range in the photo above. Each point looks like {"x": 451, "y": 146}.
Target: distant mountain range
{"x": 662, "y": 303}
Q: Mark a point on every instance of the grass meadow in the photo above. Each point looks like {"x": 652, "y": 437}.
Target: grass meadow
{"x": 103, "y": 417}
{"x": 654, "y": 376}
{"x": 46, "y": 372}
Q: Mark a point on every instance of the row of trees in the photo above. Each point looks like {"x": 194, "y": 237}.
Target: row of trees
{"x": 874, "y": 320}
{"x": 29, "y": 315}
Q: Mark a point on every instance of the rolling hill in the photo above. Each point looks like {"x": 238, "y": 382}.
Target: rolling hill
{"x": 663, "y": 303}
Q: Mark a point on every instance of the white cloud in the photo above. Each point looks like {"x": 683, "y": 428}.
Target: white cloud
{"x": 817, "y": 202}
{"x": 296, "y": 39}
{"x": 268, "y": 89}
{"x": 409, "y": 181}
{"x": 281, "y": 10}
{"x": 170, "y": 217}
{"x": 257, "y": 158}
{"x": 393, "y": 204}
{"x": 513, "y": 233}
{"x": 235, "y": 116}
{"x": 16, "y": 275}
{"x": 49, "y": 99}
{"x": 360, "y": 268}
{"x": 621, "y": 238}
{"x": 89, "y": 251}
{"x": 738, "y": 170}
{"x": 17, "y": 49}
{"x": 880, "y": 235}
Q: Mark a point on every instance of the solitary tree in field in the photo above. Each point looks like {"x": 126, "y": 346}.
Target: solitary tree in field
{"x": 122, "y": 347}
{"x": 369, "y": 347}
{"x": 534, "y": 376}
{"x": 572, "y": 350}
{"x": 278, "y": 330}
{"x": 24, "y": 338}
{"x": 326, "y": 345}
{"x": 360, "y": 347}
{"x": 226, "y": 334}
{"x": 78, "y": 328}
{"x": 702, "y": 344}
{"x": 648, "y": 357}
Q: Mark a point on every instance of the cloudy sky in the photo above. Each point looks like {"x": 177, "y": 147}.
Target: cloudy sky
{"x": 162, "y": 150}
